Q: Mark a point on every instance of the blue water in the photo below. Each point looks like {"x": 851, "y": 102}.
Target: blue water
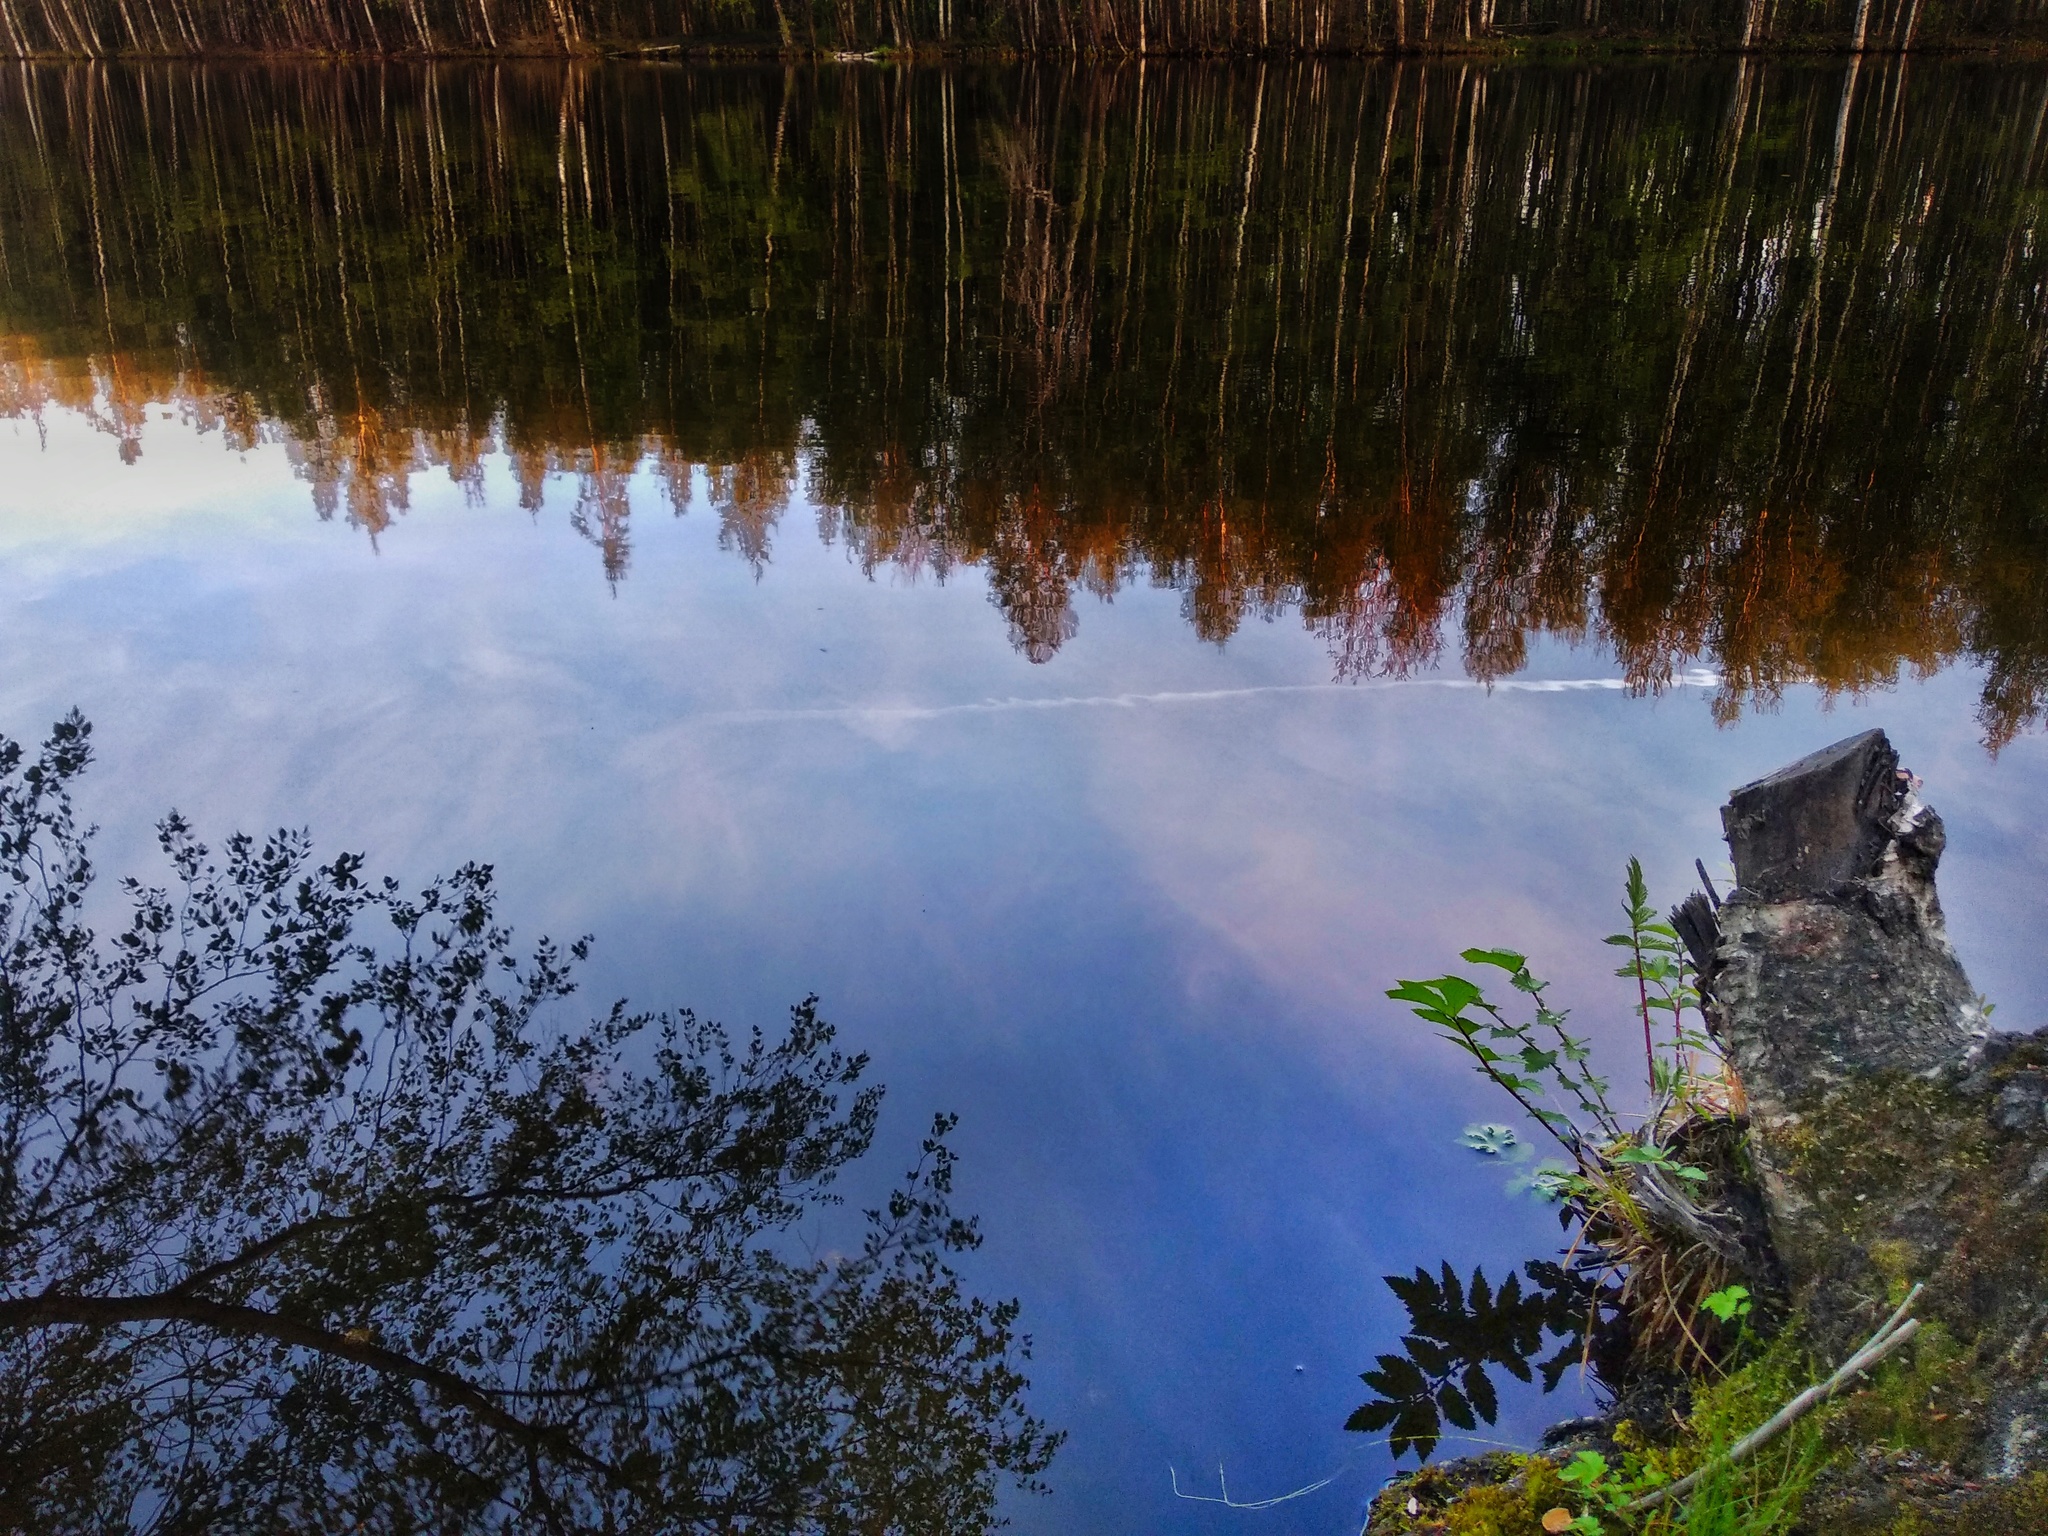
{"x": 1129, "y": 912}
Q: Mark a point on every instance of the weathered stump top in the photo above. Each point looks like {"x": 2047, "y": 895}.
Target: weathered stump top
{"x": 1817, "y": 822}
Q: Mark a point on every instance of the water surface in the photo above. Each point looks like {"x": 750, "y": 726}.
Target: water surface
{"x": 1021, "y": 555}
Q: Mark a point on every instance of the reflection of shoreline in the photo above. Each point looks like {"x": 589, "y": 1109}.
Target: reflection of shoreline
{"x": 1695, "y": 677}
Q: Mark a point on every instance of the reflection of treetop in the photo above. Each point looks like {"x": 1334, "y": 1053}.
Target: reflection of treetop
{"x": 312, "y": 1217}
{"x": 1736, "y": 364}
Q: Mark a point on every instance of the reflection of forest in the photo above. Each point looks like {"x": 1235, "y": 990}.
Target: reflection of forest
{"x": 1742, "y": 363}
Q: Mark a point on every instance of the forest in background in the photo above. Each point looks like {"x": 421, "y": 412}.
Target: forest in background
{"x": 1743, "y": 365}
{"x": 1098, "y": 29}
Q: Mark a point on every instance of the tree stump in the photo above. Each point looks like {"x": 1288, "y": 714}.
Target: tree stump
{"x": 1895, "y": 1136}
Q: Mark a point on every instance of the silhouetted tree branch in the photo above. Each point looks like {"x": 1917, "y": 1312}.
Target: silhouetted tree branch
{"x": 308, "y": 1184}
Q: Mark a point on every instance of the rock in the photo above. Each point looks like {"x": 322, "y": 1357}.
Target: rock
{"x": 1895, "y": 1138}
{"x": 1882, "y": 1492}
{"x": 1834, "y": 961}
{"x": 2019, "y": 1103}
{"x": 1569, "y": 1431}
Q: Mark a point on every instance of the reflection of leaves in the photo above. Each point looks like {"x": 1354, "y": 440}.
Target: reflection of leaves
{"x": 1493, "y": 1140}
{"x": 1549, "y": 1181}
{"x": 1457, "y": 1333}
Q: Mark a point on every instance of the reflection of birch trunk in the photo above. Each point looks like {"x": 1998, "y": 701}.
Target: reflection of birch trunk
{"x": 1180, "y": 282}
{"x": 1133, "y": 216}
{"x": 1698, "y": 300}
{"x": 946, "y": 194}
{"x": 1379, "y": 206}
{"x": 1343, "y": 281}
{"x": 1244, "y": 213}
{"x": 1912, "y": 27}
{"x": 99, "y": 242}
{"x": 568, "y": 251}
{"x": 1808, "y": 333}
{"x": 1286, "y": 136}
{"x": 2020, "y": 236}
{"x": 1872, "y": 228}
{"x": 1070, "y": 338}
{"x": 1468, "y": 196}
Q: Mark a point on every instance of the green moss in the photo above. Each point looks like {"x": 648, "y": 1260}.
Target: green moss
{"x": 1514, "y": 1508}
{"x": 1849, "y": 1153}
{"x": 1926, "y": 1399}
{"x": 1501, "y": 1494}
{"x": 1725, "y": 1410}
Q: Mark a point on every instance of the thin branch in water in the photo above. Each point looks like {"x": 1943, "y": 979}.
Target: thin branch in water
{"x": 1229, "y": 1503}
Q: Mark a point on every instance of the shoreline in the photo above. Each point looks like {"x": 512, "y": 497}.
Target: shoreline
{"x": 1546, "y": 48}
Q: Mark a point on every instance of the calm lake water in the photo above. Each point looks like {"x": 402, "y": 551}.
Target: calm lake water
{"x": 1094, "y": 574}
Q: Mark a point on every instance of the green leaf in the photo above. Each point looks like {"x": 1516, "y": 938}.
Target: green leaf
{"x": 1652, "y": 1155}
{"x": 1504, "y": 959}
{"x": 1728, "y": 1304}
{"x": 1584, "y": 1470}
{"x": 1416, "y": 992}
{"x": 1457, "y": 992}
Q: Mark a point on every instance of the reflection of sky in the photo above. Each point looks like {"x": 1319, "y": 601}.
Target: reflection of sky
{"x": 1138, "y": 943}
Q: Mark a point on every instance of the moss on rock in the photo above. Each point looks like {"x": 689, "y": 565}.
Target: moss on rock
{"x": 1943, "y": 1180}
{"x": 1498, "y": 1494}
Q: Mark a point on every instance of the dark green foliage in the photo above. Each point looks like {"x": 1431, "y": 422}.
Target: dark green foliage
{"x": 1456, "y": 1333}
{"x": 316, "y": 1212}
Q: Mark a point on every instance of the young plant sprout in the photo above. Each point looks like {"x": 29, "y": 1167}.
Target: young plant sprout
{"x": 1643, "y": 1199}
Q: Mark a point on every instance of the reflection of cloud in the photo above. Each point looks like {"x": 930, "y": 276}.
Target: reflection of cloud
{"x": 1697, "y": 677}
{"x": 1330, "y": 851}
